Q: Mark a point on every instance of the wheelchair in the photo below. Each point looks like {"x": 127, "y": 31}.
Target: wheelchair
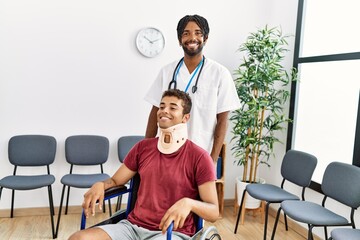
{"x": 210, "y": 233}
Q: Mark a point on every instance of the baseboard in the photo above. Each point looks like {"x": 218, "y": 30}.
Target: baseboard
{"x": 41, "y": 211}
{"x": 229, "y": 202}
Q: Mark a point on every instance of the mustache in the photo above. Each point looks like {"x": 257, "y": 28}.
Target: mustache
{"x": 192, "y": 41}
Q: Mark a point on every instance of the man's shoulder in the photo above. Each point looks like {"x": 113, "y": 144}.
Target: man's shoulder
{"x": 216, "y": 66}
{"x": 171, "y": 65}
{"x": 196, "y": 148}
{"x": 214, "y": 63}
{"x": 147, "y": 142}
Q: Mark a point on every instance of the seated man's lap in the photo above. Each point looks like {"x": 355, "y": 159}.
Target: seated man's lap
{"x": 124, "y": 230}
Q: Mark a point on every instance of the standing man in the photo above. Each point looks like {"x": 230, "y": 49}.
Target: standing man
{"x": 209, "y": 84}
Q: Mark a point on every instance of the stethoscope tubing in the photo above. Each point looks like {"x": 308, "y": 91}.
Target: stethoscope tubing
{"x": 176, "y": 71}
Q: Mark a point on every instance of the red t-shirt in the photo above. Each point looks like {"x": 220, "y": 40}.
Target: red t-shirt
{"x": 166, "y": 178}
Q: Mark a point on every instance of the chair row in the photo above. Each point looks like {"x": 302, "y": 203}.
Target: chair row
{"x": 40, "y": 150}
{"x": 340, "y": 183}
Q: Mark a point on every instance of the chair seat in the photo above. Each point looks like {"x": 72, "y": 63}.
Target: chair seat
{"x": 345, "y": 234}
{"x": 269, "y": 193}
{"x": 312, "y": 213}
{"x": 19, "y": 182}
{"x": 83, "y": 180}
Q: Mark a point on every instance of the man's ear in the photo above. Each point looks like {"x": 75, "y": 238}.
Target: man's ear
{"x": 186, "y": 118}
{"x": 205, "y": 39}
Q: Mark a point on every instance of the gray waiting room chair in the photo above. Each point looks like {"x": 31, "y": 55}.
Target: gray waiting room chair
{"x": 340, "y": 183}
{"x": 31, "y": 151}
{"x": 83, "y": 150}
{"x": 345, "y": 234}
{"x": 124, "y": 144}
{"x": 297, "y": 167}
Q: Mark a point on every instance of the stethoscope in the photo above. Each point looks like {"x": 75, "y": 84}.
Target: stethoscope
{"x": 176, "y": 72}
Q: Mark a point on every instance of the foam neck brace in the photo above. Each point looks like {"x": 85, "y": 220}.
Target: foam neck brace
{"x": 172, "y": 138}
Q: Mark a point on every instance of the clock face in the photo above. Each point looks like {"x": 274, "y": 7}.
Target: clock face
{"x": 150, "y": 42}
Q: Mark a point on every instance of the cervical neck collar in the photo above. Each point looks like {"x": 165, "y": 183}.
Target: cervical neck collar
{"x": 172, "y": 138}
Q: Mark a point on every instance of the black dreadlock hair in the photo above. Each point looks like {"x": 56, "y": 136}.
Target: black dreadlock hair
{"x": 199, "y": 20}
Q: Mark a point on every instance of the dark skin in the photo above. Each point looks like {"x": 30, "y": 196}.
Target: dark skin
{"x": 193, "y": 40}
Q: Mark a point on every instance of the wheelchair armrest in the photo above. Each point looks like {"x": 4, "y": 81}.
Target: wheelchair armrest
{"x": 115, "y": 191}
{"x": 115, "y": 218}
{"x": 109, "y": 193}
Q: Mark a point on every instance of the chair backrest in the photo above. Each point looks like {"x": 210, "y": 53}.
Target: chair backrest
{"x": 125, "y": 143}
{"x": 86, "y": 149}
{"x": 298, "y": 167}
{"x": 341, "y": 182}
{"x": 32, "y": 150}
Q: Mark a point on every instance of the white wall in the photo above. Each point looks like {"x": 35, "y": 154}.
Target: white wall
{"x": 71, "y": 67}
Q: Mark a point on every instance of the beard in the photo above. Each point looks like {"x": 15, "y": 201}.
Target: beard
{"x": 193, "y": 52}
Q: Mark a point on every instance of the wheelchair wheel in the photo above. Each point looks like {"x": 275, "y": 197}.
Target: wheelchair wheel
{"x": 210, "y": 233}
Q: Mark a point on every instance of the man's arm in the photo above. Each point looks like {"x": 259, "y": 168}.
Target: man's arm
{"x": 151, "y": 129}
{"x": 206, "y": 208}
{"x": 219, "y": 134}
{"x": 96, "y": 192}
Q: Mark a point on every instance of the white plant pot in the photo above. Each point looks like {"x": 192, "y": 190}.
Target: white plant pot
{"x": 250, "y": 202}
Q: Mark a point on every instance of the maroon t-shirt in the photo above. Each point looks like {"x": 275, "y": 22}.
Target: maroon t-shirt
{"x": 166, "y": 178}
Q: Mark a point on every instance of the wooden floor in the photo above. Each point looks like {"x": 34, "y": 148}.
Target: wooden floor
{"x": 38, "y": 227}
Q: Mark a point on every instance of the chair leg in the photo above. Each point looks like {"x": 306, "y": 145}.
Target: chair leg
{"x": 239, "y": 213}
{"x": 1, "y": 188}
{"x": 110, "y": 210}
{"x": 60, "y": 208}
{"x": 310, "y": 236}
{"x": 51, "y": 204}
{"x": 118, "y": 203}
{"x": 12, "y": 203}
{"x": 325, "y": 231}
{"x": 276, "y": 223}
{"x": 67, "y": 200}
{"x": 266, "y": 218}
{"x": 286, "y": 224}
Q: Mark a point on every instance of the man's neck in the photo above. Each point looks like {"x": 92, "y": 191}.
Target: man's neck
{"x": 191, "y": 62}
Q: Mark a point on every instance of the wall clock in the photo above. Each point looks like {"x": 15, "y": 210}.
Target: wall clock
{"x": 150, "y": 42}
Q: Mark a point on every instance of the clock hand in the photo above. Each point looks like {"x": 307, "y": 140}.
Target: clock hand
{"x": 156, "y": 40}
{"x": 148, "y": 40}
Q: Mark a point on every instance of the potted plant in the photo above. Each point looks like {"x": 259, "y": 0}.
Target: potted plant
{"x": 261, "y": 83}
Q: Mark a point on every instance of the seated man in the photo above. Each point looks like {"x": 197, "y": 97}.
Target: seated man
{"x": 174, "y": 172}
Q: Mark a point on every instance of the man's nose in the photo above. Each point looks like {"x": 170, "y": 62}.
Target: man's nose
{"x": 165, "y": 110}
{"x": 193, "y": 35}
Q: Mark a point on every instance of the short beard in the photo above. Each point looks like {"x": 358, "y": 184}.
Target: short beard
{"x": 193, "y": 53}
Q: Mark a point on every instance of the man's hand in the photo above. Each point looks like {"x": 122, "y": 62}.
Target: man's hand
{"x": 177, "y": 213}
{"x": 95, "y": 193}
